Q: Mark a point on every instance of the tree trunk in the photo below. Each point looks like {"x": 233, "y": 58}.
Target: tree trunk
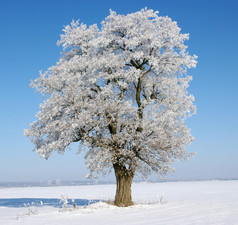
{"x": 124, "y": 179}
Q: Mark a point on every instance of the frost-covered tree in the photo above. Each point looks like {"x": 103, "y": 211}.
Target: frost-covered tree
{"x": 120, "y": 90}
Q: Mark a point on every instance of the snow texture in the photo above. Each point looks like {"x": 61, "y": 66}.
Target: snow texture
{"x": 171, "y": 203}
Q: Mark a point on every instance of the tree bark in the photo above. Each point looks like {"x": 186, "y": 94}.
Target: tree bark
{"x": 124, "y": 180}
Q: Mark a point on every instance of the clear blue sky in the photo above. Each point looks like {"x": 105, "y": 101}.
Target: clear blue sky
{"x": 29, "y": 32}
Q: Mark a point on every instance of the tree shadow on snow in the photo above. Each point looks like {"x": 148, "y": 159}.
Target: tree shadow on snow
{"x": 53, "y": 202}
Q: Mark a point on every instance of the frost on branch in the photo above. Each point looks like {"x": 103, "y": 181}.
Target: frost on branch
{"x": 121, "y": 91}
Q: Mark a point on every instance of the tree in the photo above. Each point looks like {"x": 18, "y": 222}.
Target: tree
{"x": 121, "y": 92}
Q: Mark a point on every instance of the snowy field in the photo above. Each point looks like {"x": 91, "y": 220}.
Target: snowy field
{"x": 181, "y": 203}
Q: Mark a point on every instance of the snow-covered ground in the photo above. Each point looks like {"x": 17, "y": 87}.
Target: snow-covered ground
{"x": 199, "y": 202}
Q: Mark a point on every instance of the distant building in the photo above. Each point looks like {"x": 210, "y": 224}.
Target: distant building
{"x": 57, "y": 182}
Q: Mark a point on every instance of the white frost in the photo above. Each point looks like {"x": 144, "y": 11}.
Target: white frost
{"x": 121, "y": 91}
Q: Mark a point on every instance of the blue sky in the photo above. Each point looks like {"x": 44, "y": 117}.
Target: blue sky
{"x": 29, "y": 32}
